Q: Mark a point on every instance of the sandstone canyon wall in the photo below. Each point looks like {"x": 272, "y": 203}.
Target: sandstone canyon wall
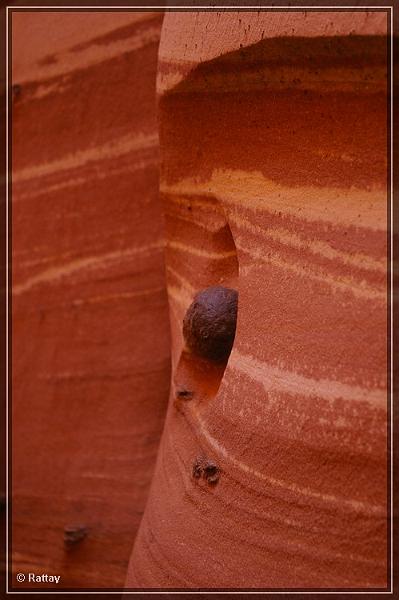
{"x": 273, "y": 142}
{"x": 274, "y": 181}
{"x": 90, "y": 351}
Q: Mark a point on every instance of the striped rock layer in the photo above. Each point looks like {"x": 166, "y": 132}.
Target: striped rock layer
{"x": 90, "y": 351}
{"x": 274, "y": 181}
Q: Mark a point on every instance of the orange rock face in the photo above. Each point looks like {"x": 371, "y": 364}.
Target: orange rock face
{"x": 274, "y": 182}
{"x": 90, "y": 352}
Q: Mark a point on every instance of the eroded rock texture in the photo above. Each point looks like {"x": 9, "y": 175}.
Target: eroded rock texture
{"x": 90, "y": 353}
{"x": 273, "y": 135}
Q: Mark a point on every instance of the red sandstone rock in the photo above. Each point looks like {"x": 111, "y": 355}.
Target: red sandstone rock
{"x": 90, "y": 346}
{"x": 273, "y": 139}
{"x": 271, "y": 472}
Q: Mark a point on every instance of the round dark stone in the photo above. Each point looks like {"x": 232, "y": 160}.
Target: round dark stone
{"x": 210, "y": 323}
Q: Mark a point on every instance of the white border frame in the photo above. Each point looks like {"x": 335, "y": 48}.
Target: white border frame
{"x": 205, "y": 9}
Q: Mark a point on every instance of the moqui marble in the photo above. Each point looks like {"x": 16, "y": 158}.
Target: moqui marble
{"x": 209, "y": 325}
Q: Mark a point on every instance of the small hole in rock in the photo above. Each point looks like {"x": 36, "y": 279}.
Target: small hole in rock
{"x": 208, "y": 326}
{"x": 209, "y": 329}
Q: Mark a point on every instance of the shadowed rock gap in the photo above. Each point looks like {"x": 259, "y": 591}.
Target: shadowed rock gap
{"x": 205, "y": 354}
